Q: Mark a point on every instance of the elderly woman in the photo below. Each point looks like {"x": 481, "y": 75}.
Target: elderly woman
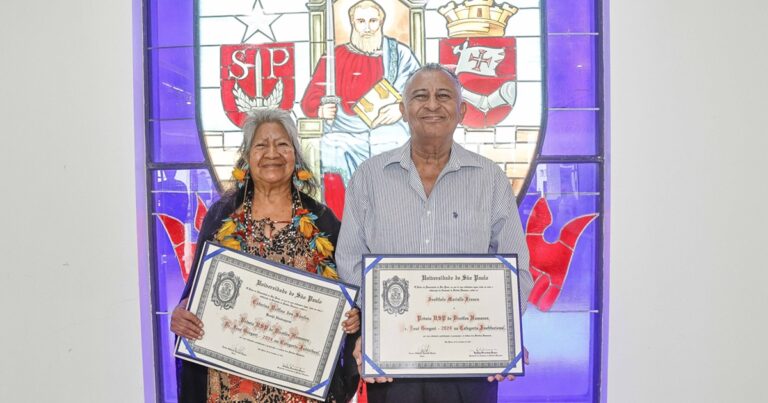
{"x": 268, "y": 214}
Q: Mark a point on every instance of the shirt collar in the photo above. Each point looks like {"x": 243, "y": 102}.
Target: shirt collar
{"x": 460, "y": 157}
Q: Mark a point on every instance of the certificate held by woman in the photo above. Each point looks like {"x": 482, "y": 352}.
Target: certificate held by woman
{"x": 266, "y": 321}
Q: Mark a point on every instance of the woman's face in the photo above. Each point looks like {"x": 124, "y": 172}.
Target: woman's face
{"x": 271, "y": 157}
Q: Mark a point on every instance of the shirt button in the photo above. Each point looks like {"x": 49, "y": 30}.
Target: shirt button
{"x": 426, "y": 241}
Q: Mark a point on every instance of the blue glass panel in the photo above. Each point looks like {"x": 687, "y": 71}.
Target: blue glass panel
{"x": 570, "y": 133}
{"x": 571, "y": 71}
{"x": 173, "y": 83}
{"x": 563, "y": 345}
{"x": 562, "y": 341}
{"x": 176, "y": 141}
{"x": 170, "y": 23}
{"x": 570, "y": 191}
{"x": 561, "y": 369}
{"x": 174, "y": 197}
{"x": 571, "y": 16}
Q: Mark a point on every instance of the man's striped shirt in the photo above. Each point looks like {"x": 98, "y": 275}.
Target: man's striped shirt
{"x": 471, "y": 210}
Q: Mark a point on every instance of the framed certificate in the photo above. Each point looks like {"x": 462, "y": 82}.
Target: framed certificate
{"x": 267, "y": 322}
{"x": 441, "y": 316}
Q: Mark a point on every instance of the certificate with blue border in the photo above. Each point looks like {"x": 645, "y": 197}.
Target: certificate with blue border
{"x": 266, "y": 321}
{"x": 441, "y": 316}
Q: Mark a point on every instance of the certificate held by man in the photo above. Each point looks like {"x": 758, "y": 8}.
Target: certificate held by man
{"x": 266, "y": 321}
{"x": 442, "y": 316}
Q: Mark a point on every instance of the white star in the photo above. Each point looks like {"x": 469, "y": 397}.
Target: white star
{"x": 257, "y": 22}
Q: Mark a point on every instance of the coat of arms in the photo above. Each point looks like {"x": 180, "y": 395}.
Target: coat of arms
{"x": 340, "y": 67}
{"x": 486, "y": 71}
{"x": 255, "y": 77}
{"x": 395, "y": 296}
{"x": 225, "y": 290}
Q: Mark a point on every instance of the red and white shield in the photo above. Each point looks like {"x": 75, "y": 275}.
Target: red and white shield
{"x": 486, "y": 69}
{"x": 255, "y": 77}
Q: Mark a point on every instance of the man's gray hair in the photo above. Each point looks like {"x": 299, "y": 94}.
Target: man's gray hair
{"x": 433, "y": 67}
{"x": 283, "y": 118}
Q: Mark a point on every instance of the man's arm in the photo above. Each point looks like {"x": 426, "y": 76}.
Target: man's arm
{"x": 353, "y": 245}
{"x": 352, "y": 242}
{"x": 507, "y": 234}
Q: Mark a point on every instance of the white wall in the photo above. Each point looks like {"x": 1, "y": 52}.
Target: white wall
{"x": 688, "y": 207}
{"x": 689, "y": 201}
{"x": 69, "y": 282}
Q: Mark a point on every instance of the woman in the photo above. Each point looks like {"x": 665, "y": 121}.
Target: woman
{"x": 268, "y": 214}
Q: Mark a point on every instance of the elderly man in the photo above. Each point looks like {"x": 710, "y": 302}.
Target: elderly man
{"x": 369, "y": 57}
{"x": 430, "y": 196}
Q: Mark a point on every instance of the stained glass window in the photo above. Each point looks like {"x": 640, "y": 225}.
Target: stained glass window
{"x": 534, "y": 84}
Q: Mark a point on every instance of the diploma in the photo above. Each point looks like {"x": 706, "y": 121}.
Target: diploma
{"x": 266, "y": 321}
{"x": 441, "y": 316}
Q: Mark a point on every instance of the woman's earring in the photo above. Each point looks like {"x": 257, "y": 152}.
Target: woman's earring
{"x": 240, "y": 175}
{"x": 301, "y": 176}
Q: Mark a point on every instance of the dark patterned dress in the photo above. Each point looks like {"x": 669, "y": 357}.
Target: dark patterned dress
{"x": 196, "y": 384}
{"x": 283, "y": 245}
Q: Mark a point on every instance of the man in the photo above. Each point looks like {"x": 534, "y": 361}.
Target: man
{"x": 368, "y": 58}
{"x": 430, "y": 196}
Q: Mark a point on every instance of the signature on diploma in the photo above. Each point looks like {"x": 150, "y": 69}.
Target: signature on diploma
{"x": 484, "y": 351}
{"x": 292, "y": 368}
{"x": 424, "y": 349}
{"x": 236, "y": 350}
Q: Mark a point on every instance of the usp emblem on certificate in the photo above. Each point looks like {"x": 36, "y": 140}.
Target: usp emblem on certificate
{"x": 395, "y": 296}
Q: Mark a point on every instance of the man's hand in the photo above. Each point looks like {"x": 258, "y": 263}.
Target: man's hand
{"x": 387, "y": 115}
{"x": 352, "y": 324}
{"x": 327, "y": 111}
{"x": 185, "y": 324}
{"x": 500, "y": 377}
{"x": 359, "y": 359}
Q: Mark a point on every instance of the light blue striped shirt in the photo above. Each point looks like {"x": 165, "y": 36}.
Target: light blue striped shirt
{"x": 471, "y": 210}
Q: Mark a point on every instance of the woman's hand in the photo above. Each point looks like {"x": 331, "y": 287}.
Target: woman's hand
{"x": 185, "y": 324}
{"x": 352, "y": 324}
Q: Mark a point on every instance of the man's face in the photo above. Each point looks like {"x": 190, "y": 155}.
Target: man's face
{"x": 366, "y": 21}
{"x": 432, "y": 106}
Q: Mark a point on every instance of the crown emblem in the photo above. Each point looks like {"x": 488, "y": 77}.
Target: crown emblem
{"x": 474, "y": 18}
